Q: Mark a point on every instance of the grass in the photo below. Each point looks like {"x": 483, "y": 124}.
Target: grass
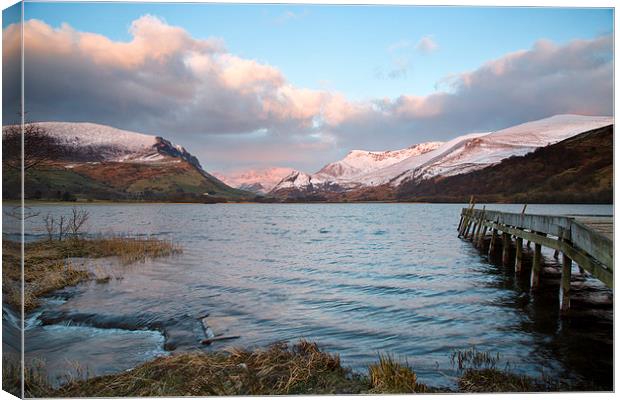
{"x": 277, "y": 370}
{"x": 389, "y": 376}
{"x": 280, "y": 369}
{"x": 46, "y": 265}
{"x": 493, "y": 380}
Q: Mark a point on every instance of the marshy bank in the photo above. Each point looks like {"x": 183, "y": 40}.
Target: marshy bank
{"x": 48, "y": 264}
{"x": 280, "y": 369}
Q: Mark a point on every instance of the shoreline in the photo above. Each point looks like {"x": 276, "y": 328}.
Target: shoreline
{"x": 111, "y": 202}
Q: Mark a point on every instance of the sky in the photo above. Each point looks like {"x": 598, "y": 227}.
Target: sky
{"x": 256, "y": 86}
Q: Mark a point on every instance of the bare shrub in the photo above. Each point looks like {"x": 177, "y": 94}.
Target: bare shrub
{"x": 50, "y": 226}
{"x": 78, "y": 218}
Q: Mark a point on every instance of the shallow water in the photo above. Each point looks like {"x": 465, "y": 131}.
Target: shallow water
{"x": 360, "y": 279}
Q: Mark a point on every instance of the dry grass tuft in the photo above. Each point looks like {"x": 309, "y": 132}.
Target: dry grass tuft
{"x": 129, "y": 249}
{"x": 278, "y": 370}
{"x": 389, "y": 376}
{"x": 492, "y": 380}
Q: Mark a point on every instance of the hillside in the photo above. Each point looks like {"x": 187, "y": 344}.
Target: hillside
{"x": 461, "y": 155}
{"x": 575, "y": 170}
{"x": 103, "y": 163}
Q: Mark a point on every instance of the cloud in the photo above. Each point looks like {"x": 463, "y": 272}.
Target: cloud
{"x": 235, "y": 110}
{"x": 161, "y": 80}
{"x": 426, "y": 45}
{"x": 545, "y": 80}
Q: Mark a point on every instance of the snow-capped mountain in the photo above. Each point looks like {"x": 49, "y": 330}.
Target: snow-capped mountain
{"x": 102, "y": 162}
{"x": 254, "y": 180}
{"x": 105, "y": 143}
{"x": 462, "y": 154}
{"x": 361, "y": 162}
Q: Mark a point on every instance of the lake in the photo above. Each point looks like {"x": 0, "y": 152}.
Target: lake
{"x": 360, "y": 279}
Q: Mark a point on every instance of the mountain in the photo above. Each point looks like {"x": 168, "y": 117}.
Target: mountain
{"x": 359, "y": 163}
{"x": 461, "y": 155}
{"x": 104, "y": 163}
{"x": 258, "y": 181}
{"x": 349, "y": 173}
{"x": 576, "y": 170}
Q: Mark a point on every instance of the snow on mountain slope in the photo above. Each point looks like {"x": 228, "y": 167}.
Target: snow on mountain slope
{"x": 460, "y": 155}
{"x": 385, "y": 175}
{"x": 88, "y": 134}
{"x": 254, "y": 180}
{"x": 105, "y": 143}
{"x": 347, "y": 173}
{"x": 481, "y": 151}
{"x": 360, "y": 162}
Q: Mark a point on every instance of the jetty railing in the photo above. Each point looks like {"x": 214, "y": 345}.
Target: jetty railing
{"x": 572, "y": 236}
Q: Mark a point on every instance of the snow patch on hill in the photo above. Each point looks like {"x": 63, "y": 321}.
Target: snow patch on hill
{"x": 462, "y": 154}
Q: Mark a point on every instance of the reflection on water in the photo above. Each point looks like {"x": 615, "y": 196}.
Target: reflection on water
{"x": 360, "y": 279}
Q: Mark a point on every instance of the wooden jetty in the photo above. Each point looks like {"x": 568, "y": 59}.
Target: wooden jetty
{"x": 586, "y": 240}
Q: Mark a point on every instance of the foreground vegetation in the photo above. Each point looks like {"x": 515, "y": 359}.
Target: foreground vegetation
{"x": 302, "y": 368}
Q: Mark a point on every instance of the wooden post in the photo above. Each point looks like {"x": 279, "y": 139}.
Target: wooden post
{"x": 467, "y": 228}
{"x": 493, "y": 241}
{"x": 519, "y": 255}
{"x": 476, "y": 237}
{"x": 473, "y": 230}
{"x": 536, "y": 267}
{"x": 459, "y": 229}
{"x": 505, "y": 248}
{"x": 565, "y": 284}
{"x": 481, "y": 237}
{"x": 468, "y": 214}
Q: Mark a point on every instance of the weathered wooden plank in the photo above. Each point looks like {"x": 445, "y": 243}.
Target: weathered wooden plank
{"x": 593, "y": 243}
{"x": 549, "y": 224}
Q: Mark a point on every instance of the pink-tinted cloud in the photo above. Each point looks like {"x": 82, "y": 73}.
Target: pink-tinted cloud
{"x": 162, "y": 77}
{"x": 426, "y": 45}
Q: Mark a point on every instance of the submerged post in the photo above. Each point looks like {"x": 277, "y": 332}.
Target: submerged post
{"x": 493, "y": 241}
{"x": 505, "y": 248}
{"x": 476, "y": 237}
{"x": 567, "y": 263}
{"x": 536, "y": 267}
{"x": 467, "y": 220}
{"x": 473, "y": 230}
{"x": 481, "y": 237}
{"x": 519, "y": 255}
